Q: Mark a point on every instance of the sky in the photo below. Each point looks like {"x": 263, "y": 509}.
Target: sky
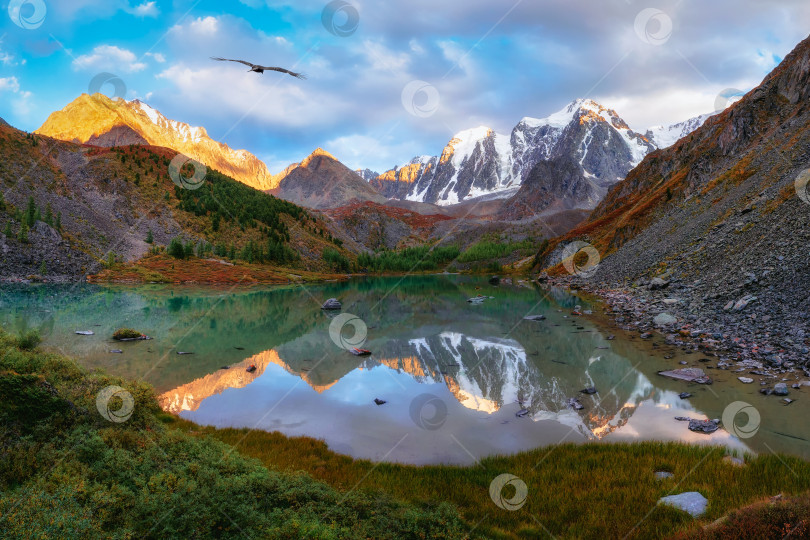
{"x": 387, "y": 81}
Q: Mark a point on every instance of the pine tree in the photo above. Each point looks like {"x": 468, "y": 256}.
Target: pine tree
{"x": 149, "y": 237}
{"x": 2, "y": 201}
{"x": 43, "y": 269}
{"x": 110, "y": 259}
{"x": 7, "y": 232}
{"x": 31, "y": 212}
{"x": 49, "y": 215}
{"x": 59, "y": 221}
{"x": 176, "y": 248}
{"x": 22, "y": 236}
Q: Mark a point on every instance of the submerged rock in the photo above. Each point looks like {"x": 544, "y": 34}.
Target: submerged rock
{"x": 780, "y": 389}
{"x": 684, "y": 395}
{"x": 379, "y": 401}
{"x": 332, "y": 303}
{"x": 690, "y": 502}
{"x": 663, "y": 475}
{"x": 574, "y": 402}
{"x": 695, "y": 375}
{"x": 535, "y": 318}
{"x": 590, "y": 390}
{"x": 85, "y": 332}
{"x": 746, "y": 380}
{"x": 522, "y": 412}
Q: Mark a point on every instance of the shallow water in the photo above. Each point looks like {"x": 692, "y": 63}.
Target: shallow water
{"x": 453, "y": 374}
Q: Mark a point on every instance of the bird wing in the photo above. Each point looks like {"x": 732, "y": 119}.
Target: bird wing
{"x": 282, "y": 70}
{"x": 229, "y": 60}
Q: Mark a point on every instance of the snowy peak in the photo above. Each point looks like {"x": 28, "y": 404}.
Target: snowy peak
{"x": 666, "y": 136}
{"x": 99, "y": 120}
{"x": 480, "y": 162}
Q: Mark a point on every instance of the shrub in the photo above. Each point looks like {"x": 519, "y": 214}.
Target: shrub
{"x": 29, "y": 340}
{"x": 126, "y": 333}
{"x": 336, "y": 259}
{"x": 176, "y": 249}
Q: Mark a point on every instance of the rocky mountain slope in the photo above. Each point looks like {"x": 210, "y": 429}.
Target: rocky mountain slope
{"x": 321, "y": 181}
{"x": 724, "y": 217}
{"x": 66, "y": 209}
{"x": 100, "y": 121}
{"x": 480, "y": 162}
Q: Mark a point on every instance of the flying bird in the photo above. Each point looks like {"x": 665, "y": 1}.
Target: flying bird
{"x": 261, "y": 69}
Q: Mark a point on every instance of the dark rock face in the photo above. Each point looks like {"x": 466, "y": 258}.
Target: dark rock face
{"x": 559, "y": 181}
{"x": 117, "y": 136}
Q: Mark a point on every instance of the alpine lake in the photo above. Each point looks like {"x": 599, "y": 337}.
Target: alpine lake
{"x": 460, "y": 380}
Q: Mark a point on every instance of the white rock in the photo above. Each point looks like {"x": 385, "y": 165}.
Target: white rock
{"x": 691, "y": 502}
{"x": 746, "y": 380}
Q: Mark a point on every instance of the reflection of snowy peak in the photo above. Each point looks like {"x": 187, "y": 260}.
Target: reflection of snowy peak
{"x": 478, "y": 162}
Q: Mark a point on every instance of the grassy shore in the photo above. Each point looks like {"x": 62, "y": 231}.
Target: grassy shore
{"x": 574, "y": 491}
{"x": 165, "y": 269}
{"x": 66, "y": 470}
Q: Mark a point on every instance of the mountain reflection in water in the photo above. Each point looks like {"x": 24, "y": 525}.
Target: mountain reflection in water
{"x": 480, "y": 363}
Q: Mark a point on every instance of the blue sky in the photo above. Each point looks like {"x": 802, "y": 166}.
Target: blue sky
{"x": 388, "y": 80}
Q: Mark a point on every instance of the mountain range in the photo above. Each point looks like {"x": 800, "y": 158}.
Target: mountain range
{"x": 481, "y": 162}
{"x": 590, "y": 142}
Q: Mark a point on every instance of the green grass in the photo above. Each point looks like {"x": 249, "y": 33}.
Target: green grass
{"x": 575, "y": 491}
{"x": 67, "y": 472}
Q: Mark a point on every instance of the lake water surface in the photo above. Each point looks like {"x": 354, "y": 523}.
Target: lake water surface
{"x": 453, "y": 374}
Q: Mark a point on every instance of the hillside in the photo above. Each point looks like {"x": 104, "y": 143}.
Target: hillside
{"x": 100, "y": 121}
{"x": 80, "y": 208}
{"x": 321, "y": 181}
{"x": 723, "y": 213}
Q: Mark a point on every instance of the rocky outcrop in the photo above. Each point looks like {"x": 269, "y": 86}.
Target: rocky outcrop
{"x": 321, "y": 181}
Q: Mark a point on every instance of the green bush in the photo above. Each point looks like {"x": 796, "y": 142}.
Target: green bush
{"x": 126, "y": 333}
{"x": 176, "y": 249}
{"x": 420, "y": 258}
{"x": 29, "y": 340}
{"x": 336, "y": 259}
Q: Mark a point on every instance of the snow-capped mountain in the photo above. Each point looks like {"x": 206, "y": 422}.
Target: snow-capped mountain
{"x": 666, "y": 136}
{"x": 100, "y": 121}
{"x": 480, "y": 162}
{"x": 367, "y": 174}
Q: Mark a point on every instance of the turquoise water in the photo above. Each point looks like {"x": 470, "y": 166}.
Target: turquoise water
{"x": 453, "y": 374}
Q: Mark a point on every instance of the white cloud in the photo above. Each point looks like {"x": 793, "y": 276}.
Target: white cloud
{"x": 109, "y": 57}
{"x": 159, "y": 58}
{"x": 381, "y": 57}
{"x": 147, "y": 9}
{"x": 9, "y": 84}
{"x": 206, "y": 26}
